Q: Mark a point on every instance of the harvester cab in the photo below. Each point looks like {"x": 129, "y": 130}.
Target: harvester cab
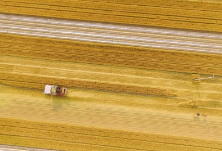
{"x": 55, "y": 90}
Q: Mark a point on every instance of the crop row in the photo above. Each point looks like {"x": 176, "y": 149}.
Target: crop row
{"x": 90, "y": 84}
{"x": 173, "y": 7}
{"x": 149, "y": 13}
{"x": 207, "y": 5}
{"x": 23, "y": 84}
{"x": 202, "y": 21}
{"x": 8, "y": 62}
{"x": 157, "y": 65}
{"x": 84, "y": 75}
{"x": 186, "y": 4}
{"x": 88, "y": 139}
{"x": 108, "y": 139}
{"x": 111, "y": 55}
{"x": 84, "y": 48}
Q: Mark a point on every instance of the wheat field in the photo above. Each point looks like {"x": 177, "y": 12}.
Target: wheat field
{"x": 119, "y": 98}
{"x": 185, "y": 14}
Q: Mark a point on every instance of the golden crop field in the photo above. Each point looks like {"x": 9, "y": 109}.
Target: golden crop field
{"x": 111, "y": 55}
{"x": 174, "y": 14}
{"x": 39, "y": 133}
{"x": 120, "y": 98}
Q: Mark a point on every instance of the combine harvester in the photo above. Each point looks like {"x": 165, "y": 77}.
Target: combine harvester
{"x": 55, "y": 90}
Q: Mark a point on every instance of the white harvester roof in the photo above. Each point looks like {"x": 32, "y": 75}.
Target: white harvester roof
{"x": 47, "y": 89}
